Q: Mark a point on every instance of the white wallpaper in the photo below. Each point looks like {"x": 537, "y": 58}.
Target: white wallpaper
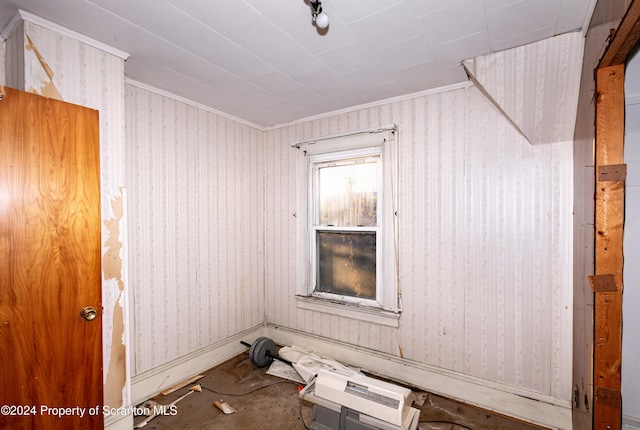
{"x": 485, "y": 234}
{"x": 196, "y": 225}
{"x": 2, "y": 61}
{"x": 543, "y": 99}
{"x": 485, "y": 227}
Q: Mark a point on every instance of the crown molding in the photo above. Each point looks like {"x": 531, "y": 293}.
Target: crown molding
{"x": 23, "y": 15}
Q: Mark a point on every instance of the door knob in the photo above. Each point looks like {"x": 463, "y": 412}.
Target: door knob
{"x": 89, "y": 313}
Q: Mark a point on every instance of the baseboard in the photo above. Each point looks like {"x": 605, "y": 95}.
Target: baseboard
{"x": 630, "y": 423}
{"x": 119, "y": 422}
{"x": 505, "y": 400}
{"x": 150, "y": 383}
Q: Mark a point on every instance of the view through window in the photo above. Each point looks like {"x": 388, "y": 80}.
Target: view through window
{"x": 346, "y": 225}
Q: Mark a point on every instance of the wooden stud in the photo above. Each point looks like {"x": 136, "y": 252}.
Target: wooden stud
{"x": 625, "y": 37}
{"x": 608, "y": 246}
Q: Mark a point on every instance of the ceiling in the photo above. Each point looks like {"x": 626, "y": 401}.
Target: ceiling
{"x": 264, "y": 61}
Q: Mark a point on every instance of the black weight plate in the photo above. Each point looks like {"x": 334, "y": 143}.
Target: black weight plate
{"x": 262, "y": 351}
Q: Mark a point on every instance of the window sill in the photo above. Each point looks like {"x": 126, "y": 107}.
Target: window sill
{"x": 362, "y": 313}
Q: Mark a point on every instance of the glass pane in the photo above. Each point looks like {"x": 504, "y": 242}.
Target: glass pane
{"x": 347, "y": 263}
{"x": 348, "y": 193}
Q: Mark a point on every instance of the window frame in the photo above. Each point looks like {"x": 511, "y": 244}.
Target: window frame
{"x": 316, "y": 162}
{"x": 386, "y": 309}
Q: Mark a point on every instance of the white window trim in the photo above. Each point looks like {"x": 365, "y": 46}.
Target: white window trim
{"x": 385, "y": 309}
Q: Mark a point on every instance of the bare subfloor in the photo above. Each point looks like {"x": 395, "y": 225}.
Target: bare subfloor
{"x": 266, "y": 402}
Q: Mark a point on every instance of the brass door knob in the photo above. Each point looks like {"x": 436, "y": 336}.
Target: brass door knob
{"x": 89, "y": 313}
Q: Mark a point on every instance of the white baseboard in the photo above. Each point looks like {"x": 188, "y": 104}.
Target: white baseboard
{"x": 119, "y": 422}
{"x": 505, "y": 400}
{"x": 150, "y": 383}
{"x": 630, "y": 423}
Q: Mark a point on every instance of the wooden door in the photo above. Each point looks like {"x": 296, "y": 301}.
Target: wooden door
{"x": 50, "y": 356}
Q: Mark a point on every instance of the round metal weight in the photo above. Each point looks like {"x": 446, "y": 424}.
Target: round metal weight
{"x": 262, "y": 351}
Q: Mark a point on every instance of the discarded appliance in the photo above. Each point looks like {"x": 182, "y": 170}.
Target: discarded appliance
{"x": 344, "y": 401}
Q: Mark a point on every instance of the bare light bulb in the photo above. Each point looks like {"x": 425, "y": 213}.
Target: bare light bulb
{"x": 322, "y": 20}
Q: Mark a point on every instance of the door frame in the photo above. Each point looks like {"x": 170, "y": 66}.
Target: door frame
{"x": 607, "y": 281}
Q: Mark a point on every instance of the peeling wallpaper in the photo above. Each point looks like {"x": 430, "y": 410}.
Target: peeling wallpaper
{"x": 485, "y": 243}
{"x": 485, "y": 229}
{"x": 56, "y": 65}
{"x": 196, "y": 226}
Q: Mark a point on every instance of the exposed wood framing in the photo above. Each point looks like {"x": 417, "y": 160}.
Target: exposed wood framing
{"x": 625, "y": 37}
{"x": 609, "y": 219}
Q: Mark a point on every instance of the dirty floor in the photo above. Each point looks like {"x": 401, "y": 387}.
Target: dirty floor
{"x": 265, "y": 402}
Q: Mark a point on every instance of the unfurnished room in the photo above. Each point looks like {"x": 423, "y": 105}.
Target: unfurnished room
{"x": 319, "y": 214}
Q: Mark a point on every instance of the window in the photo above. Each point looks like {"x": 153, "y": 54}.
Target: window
{"x": 347, "y": 250}
{"x": 344, "y": 231}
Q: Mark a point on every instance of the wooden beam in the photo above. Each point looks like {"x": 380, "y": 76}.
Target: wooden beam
{"x": 625, "y": 37}
{"x": 608, "y": 247}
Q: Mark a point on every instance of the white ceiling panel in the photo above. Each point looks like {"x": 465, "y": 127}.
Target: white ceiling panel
{"x": 296, "y": 62}
{"x": 521, "y": 21}
{"x": 156, "y": 16}
{"x": 338, "y": 97}
{"x": 140, "y": 43}
{"x": 189, "y": 65}
{"x": 265, "y": 61}
{"x": 425, "y": 7}
{"x": 372, "y": 76}
{"x": 348, "y": 58}
{"x": 322, "y": 80}
{"x": 393, "y": 57}
{"x": 202, "y": 41}
{"x": 262, "y": 38}
{"x": 283, "y": 13}
{"x": 449, "y": 53}
{"x": 387, "y": 27}
{"x": 571, "y": 16}
{"x": 438, "y": 28}
{"x": 354, "y": 10}
{"x": 217, "y": 15}
{"x": 277, "y": 83}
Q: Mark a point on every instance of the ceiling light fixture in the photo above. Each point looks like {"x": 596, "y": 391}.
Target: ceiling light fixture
{"x": 320, "y": 18}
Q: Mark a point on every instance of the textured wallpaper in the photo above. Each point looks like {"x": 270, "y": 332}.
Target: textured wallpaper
{"x": 485, "y": 226}
{"x": 196, "y": 226}
{"x": 2, "y": 67}
{"x": 485, "y": 233}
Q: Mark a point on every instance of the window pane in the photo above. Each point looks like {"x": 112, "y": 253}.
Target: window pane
{"x": 347, "y": 263}
{"x": 348, "y": 193}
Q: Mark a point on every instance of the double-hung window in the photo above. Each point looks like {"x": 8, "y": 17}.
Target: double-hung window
{"x": 345, "y": 225}
{"x": 347, "y": 229}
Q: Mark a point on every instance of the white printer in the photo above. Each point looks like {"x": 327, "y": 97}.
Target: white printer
{"x": 355, "y": 401}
